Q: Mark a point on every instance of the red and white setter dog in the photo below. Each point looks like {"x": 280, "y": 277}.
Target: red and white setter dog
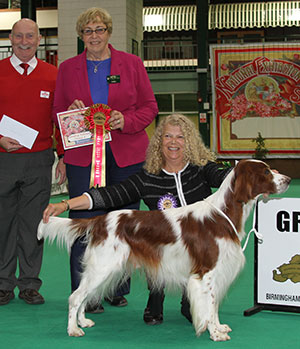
{"x": 195, "y": 247}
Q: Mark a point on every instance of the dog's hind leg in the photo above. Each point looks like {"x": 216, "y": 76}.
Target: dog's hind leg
{"x": 76, "y": 310}
{"x": 82, "y": 320}
{"x": 78, "y": 299}
{"x": 103, "y": 270}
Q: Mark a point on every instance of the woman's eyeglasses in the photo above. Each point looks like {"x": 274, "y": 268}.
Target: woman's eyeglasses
{"x": 98, "y": 31}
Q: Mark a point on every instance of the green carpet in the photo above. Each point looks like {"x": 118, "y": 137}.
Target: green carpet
{"x": 45, "y": 326}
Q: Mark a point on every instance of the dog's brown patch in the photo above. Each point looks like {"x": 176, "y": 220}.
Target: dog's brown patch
{"x": 200, "y": 239}
{"x": 201, "y": 244}
{"x": 146, "y": 232}
{"x": 95, "y": 226}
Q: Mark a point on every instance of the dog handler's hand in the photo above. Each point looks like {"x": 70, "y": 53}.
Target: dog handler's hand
{"x": 53, "y": 210}
{"x": 78, "y": 203}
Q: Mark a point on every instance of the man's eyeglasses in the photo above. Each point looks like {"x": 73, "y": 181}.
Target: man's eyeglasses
{"x": 99, "y": 31}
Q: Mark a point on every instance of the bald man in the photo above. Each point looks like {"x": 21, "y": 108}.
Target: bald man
{"x": 26, "y": 94}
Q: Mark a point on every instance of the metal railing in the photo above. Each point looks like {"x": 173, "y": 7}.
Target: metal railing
{"x": 172, "y": 55}
{"x": 175, "y": 55}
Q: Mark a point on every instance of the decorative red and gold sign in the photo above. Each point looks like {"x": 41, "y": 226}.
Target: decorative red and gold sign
{"x": 256, "y": 90}
{"x": 96, "y": 119}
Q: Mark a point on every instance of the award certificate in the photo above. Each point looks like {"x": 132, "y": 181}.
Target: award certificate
{"x": 74, "y": 131}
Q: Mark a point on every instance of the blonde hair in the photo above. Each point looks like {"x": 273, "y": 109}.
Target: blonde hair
{"x": 195, "y": 151}
{"x": 93, "y": 15}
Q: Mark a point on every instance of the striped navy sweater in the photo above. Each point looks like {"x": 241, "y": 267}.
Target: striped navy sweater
{"x": 191, "y": 184}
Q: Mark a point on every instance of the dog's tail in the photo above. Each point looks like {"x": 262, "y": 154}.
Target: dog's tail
{"x": 63, "y": 229}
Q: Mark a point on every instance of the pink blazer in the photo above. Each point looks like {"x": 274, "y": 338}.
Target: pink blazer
{"x": 133, "y": 96}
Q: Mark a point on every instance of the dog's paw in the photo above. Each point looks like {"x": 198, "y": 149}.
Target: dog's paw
{"x": 86, "y": 323}
{"x": 218, "y": 336}
{"x": 75, "y": 332}
{"x": 224, "y": 328}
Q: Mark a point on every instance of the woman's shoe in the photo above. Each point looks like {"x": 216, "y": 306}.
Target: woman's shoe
{"x": 118, "y": 301}
{"x": 152, "y": 320}
{"x": 94, "y": 308}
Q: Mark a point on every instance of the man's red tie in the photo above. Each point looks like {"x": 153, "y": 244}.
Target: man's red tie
{"x": 25, "y": 66}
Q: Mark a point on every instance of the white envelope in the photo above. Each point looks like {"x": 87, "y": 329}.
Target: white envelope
{"x": 14, "y": 129}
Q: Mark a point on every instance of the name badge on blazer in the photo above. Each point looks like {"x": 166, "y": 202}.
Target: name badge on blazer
{"x": 113, "y": 79}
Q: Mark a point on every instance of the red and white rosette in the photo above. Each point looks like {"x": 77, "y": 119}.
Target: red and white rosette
{"x": 96, "y": 119}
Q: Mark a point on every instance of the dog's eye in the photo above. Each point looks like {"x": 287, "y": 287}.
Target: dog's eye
{"x": 267, "y": 171}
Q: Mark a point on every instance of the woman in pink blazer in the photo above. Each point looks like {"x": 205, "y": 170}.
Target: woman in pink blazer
{"x": 102, "y": 74}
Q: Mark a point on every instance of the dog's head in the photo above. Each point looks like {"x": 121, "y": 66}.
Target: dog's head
{"x": 254, "y": 177}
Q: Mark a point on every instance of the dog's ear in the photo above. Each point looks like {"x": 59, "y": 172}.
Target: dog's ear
{"x": 242, "y": 183}
{"x": 242, "y": 189}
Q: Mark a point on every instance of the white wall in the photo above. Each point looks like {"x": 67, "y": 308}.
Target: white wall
{"x": 44, "y": 18}
{"x": 127, "y": 18}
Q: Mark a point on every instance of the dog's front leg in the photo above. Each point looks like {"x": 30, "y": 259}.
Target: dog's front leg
{"x": 197, "y": 295}
{"x": 221, "y": 327}
{"x": 204, "y": 307}
{"x": 217, "y": 331}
